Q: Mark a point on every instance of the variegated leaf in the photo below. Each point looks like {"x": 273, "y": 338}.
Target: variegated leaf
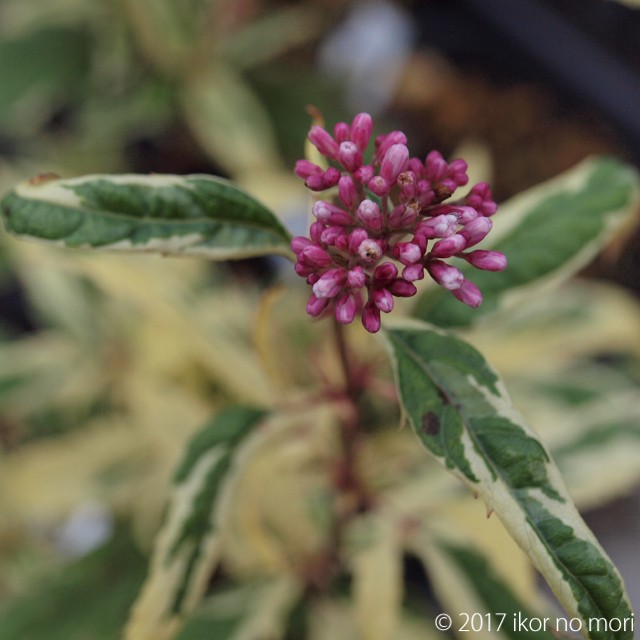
{"x": 460, "y": 411}
{"x": 246, "y": 612}
{"x": 478, "y": 600}
{"x": 188, "y": 546}
{"x": 376, "y": 561}
{"x": 547, "y": 233}
{"x": 188, "y": 215}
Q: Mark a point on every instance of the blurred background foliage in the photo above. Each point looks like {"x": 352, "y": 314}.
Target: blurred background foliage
{"x": 108, "y": 364}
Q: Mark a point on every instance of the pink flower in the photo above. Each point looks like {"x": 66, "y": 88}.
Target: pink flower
{"x": 395, "y": 211}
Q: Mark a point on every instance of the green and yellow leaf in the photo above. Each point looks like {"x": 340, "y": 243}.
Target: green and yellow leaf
{"x": 460, "y": 411}
{"x": 187, "y": 215}
{"x": 547, "y": 233}
{"x": 188, "y": 546}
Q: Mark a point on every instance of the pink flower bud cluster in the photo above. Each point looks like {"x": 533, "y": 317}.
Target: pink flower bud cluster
{"x": 386, "y": 224}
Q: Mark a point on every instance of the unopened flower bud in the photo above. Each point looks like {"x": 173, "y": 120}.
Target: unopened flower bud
{"x": 379, "y": 186}
{"x": 323, "y": 141}
{"x": 402, "y": 289}
{"x": 346, "y": 307}
{"x": 413, "y": 272}
{"x": 444, "y": 274}
{"x": 331, "y": 214}
{"x": 369, "y": 214}
{"x": 480, "y": 198}
{"x": 385, "y": 141}
{"x": 448, "y": 247}
{"x": 383, "y": 299}
{"x": 341, "y": 132}
{"x": 314, "y": 256}
{"x": 394, "y": 162}
{"x": 407, "y": 252}
{"x": 330, "y": 283}
{"x": 299, "y": 243}
{"x": 330, "y": 235}
{"x": 385, "y": 273}
{"x": 476, "y": 230}
{"x": 441, "y": 226}
{"x": 468, "y": 293}
{"x": 306, "y": 168}
{"x": 363, "y": 174}
{"x": 371, "y": 318}
{"x": 486, "y": 260}
{"x": 316, "y": 306}
{"x": 361, "y": 128}
{"x": 347, "y": 191}
{"x": 349, "y": 156}
{"x": 356, "y": 278}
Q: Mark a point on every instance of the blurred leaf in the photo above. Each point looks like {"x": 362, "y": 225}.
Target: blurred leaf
{"x": 549, "y": 233}
{"x": 192, "y": 215}
{"x": 49, "y": 63}
{"x": 376, "y": 564}
{"x": 274, "y": 33}
{"x": 589, "y": 416}
{"x": 334, "y": 618}
{"x": 230, "y": 122}
{"x": 464, "y": 581}
{"x": 280, "y": 512}
{"x": 459, "y": 410}
{"x": 188, "y": 546}
{"x": 88, "y": 598}
{"x": 257, "y": 609}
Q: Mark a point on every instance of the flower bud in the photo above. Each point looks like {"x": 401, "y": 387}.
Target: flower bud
{"x": 444, "y": 274}
{"x": 323, "y": 141}
{"x": 486, "y": 260}
{"x": 361, "y": 128}
{"x": 349, "y": 156}
{"x": 476, "y": 230}
{"x": 464, "y": 214}
{"x": 306, "y": 168}
{"x": 480, "y": 198}
{"x": 341, "y": 132}
{"x": 384, "y": 142}
{"x": 347, "y": 191}
{"x": 394, "y": 162}
{"x": 402, "y": 289}
{"x": 330, "y": 283}
{"x": 330, "y": 214}
{"x": 407, "y": 252}
{"x": 448, "y": 247}
{"x": 345, "y": 310}
{"x": 379, "y": 186}
{"x": 384, "y": 274}
{"x": 356, "y": 238}
{"x": 441, "y": 226}
{"x": 371, "y": 318}
{"x": 383, "y": 299}
{"x": 356, "y": 278}
{"x": 468, "y": 293}
{"x": 299, "y": 243}
{"x": 363, "y": 174}
{"x": 413, "y": 272}
{"x": 369, "y": 214}
{"x": 331, "y": 177}
{"x": 315, "y": 257}
{"x": 316, "y": 306}
{"x": 330, "y": 235}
